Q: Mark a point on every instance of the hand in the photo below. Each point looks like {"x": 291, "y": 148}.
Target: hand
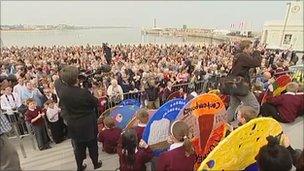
{"x": 285, "y": 140}
{"x": 170, "y": 140}
{"x": 271, "y": 80}
{"x": 143, "y": 144}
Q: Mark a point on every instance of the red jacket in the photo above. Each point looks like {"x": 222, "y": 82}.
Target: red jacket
{"x": 109, "y": 139}
{"x": 176, "y": 160}
{"x": 142, "y": 156}
{"x": 288, "y": 105}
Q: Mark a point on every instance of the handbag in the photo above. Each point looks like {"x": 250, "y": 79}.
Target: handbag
{"x": 234, "y": 85}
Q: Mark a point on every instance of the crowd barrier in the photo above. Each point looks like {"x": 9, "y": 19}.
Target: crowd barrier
{"x": 20, "y": 130}
{"x": 199, "y": 86}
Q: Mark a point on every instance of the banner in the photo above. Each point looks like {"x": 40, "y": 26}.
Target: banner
{"x": 123, "y": 114}
{"x": 206, "y": 117}
{"x": 130, "y": 102}
{"x": 176, "y": 94}
{"x": 239, "y": 148}
{"x": 158, "y": 127}
{"x": 280, "y": 84}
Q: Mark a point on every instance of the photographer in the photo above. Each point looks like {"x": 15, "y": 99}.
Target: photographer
{"x": 240, "y": 92}
{"x": 79, "y": 111}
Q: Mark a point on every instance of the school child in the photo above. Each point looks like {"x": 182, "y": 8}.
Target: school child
{"x": 109, "y": 136}
{"x": 133, "y": 155}
{"x": 143, "y": 118}
{"x": 181, "y": 155}
{"x": 272, "y": 157}
{"x": 34, "y": 116}
{"x": 55, "y": 122}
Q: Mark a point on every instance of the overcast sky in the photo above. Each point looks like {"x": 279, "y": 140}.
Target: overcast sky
{"x": 215, "y": 14}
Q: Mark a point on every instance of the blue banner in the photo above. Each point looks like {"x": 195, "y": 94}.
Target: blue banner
{"x": 157, "y": 129}
{"x": 130, "y": 102}
{"x": 123, "y": 114}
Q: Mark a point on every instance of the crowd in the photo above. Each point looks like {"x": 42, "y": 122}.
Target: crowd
{"x": 33, "y": 90}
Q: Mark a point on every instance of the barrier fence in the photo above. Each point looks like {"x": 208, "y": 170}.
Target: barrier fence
{"x": 199, "y": 86}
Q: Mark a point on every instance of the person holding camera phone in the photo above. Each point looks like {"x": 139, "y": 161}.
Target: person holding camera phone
{"x": 78, "y": 109}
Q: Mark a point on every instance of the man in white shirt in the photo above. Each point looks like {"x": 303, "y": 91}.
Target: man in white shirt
{"x": 19, "y": 87}
{"x": 10, "y": 102}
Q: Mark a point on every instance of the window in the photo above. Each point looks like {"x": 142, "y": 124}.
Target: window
{"x": 287, "y": 39}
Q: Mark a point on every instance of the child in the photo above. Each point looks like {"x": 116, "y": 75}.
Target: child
{"x": 272, "y": 157}
{"x": 34, "y": 116}
{"x": 55, "y": 122}
{"x": 133, "y": 157}
{"x": 285, "y": 107}
{"x": 109, "y": 136}
{"x": 102, "y": 100}
{"x": 245, "y": 114}
{"x": 143, "y": 118}
{"x": 181, "y": 155}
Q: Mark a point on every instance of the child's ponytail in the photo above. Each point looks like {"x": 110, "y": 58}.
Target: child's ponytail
{"x": 188, "y": 146}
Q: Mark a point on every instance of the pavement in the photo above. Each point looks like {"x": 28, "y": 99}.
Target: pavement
{"x": 61, "y": 157}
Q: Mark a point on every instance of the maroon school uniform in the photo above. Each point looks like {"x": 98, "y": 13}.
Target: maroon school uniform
{"x": 176, "y": 160}
{"x": 142, "y": 156}
{"x": 29, "y": 115}
{"x": 109, "y": 139}
{"x": 139, "y": 129}
{"x": 288, "y": 105}
{"x": 102, "y": 104}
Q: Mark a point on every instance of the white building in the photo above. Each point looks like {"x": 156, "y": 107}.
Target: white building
{"x": 287, "y": 33}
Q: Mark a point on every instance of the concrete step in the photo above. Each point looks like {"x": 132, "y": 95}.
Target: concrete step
{"x": 60, "y": 157}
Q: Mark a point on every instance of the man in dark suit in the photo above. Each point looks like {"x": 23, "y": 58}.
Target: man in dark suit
{"x": 79, "y": 112}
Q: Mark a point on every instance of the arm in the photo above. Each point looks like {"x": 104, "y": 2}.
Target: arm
{"x": 276, "y": 100}
{"x": 50, "y": 115}
{"x": 36, "y": 118}
{"x": 18, "y": 100}
{"x": 120, "y": 92}
{"x": 101, "y": 137}
{"x": 253, "y": 61}
{"x": 146, "y": 155}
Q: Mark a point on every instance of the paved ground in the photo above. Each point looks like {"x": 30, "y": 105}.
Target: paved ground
{"x": 61, "y": 157}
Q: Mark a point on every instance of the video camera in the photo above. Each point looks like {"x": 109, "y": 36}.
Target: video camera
{"x": 87, "y": 78}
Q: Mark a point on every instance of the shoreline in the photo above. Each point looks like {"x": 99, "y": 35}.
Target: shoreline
{"x": 46, "y": 30}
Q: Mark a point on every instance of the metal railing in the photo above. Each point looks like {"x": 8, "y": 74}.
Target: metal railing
{"x": 198, "y": 86}
{"x": 20, "y": 129}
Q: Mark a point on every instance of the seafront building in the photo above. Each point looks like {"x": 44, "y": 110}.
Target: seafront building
{"x": 287, "y": 33}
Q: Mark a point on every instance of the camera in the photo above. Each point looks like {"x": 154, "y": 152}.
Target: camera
{"x": 86, "y": 79}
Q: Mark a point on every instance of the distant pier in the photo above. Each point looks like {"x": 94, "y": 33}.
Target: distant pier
{"x": 203, "y": 33}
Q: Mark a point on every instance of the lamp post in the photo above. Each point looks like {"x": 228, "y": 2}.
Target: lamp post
{"x": 285, "y": 23}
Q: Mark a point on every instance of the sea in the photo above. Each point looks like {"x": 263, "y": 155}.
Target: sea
{"x": 95, "y": 36}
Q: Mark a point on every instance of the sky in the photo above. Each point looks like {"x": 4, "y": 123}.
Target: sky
{"x": 198, "y": 14}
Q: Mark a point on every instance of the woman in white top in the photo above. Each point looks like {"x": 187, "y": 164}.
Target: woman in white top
{"x": 115, "y": 92}
{"x": 55, "y": 122}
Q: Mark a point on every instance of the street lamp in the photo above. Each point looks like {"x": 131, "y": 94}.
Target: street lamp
{"x": 285, "y": 23}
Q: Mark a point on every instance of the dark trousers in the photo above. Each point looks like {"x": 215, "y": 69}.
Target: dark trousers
{"x": 57, "y": 130}
{"x": 80, "y": 151}
{"x": 41, "y": 136}
{"x": 269, "y": 110}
